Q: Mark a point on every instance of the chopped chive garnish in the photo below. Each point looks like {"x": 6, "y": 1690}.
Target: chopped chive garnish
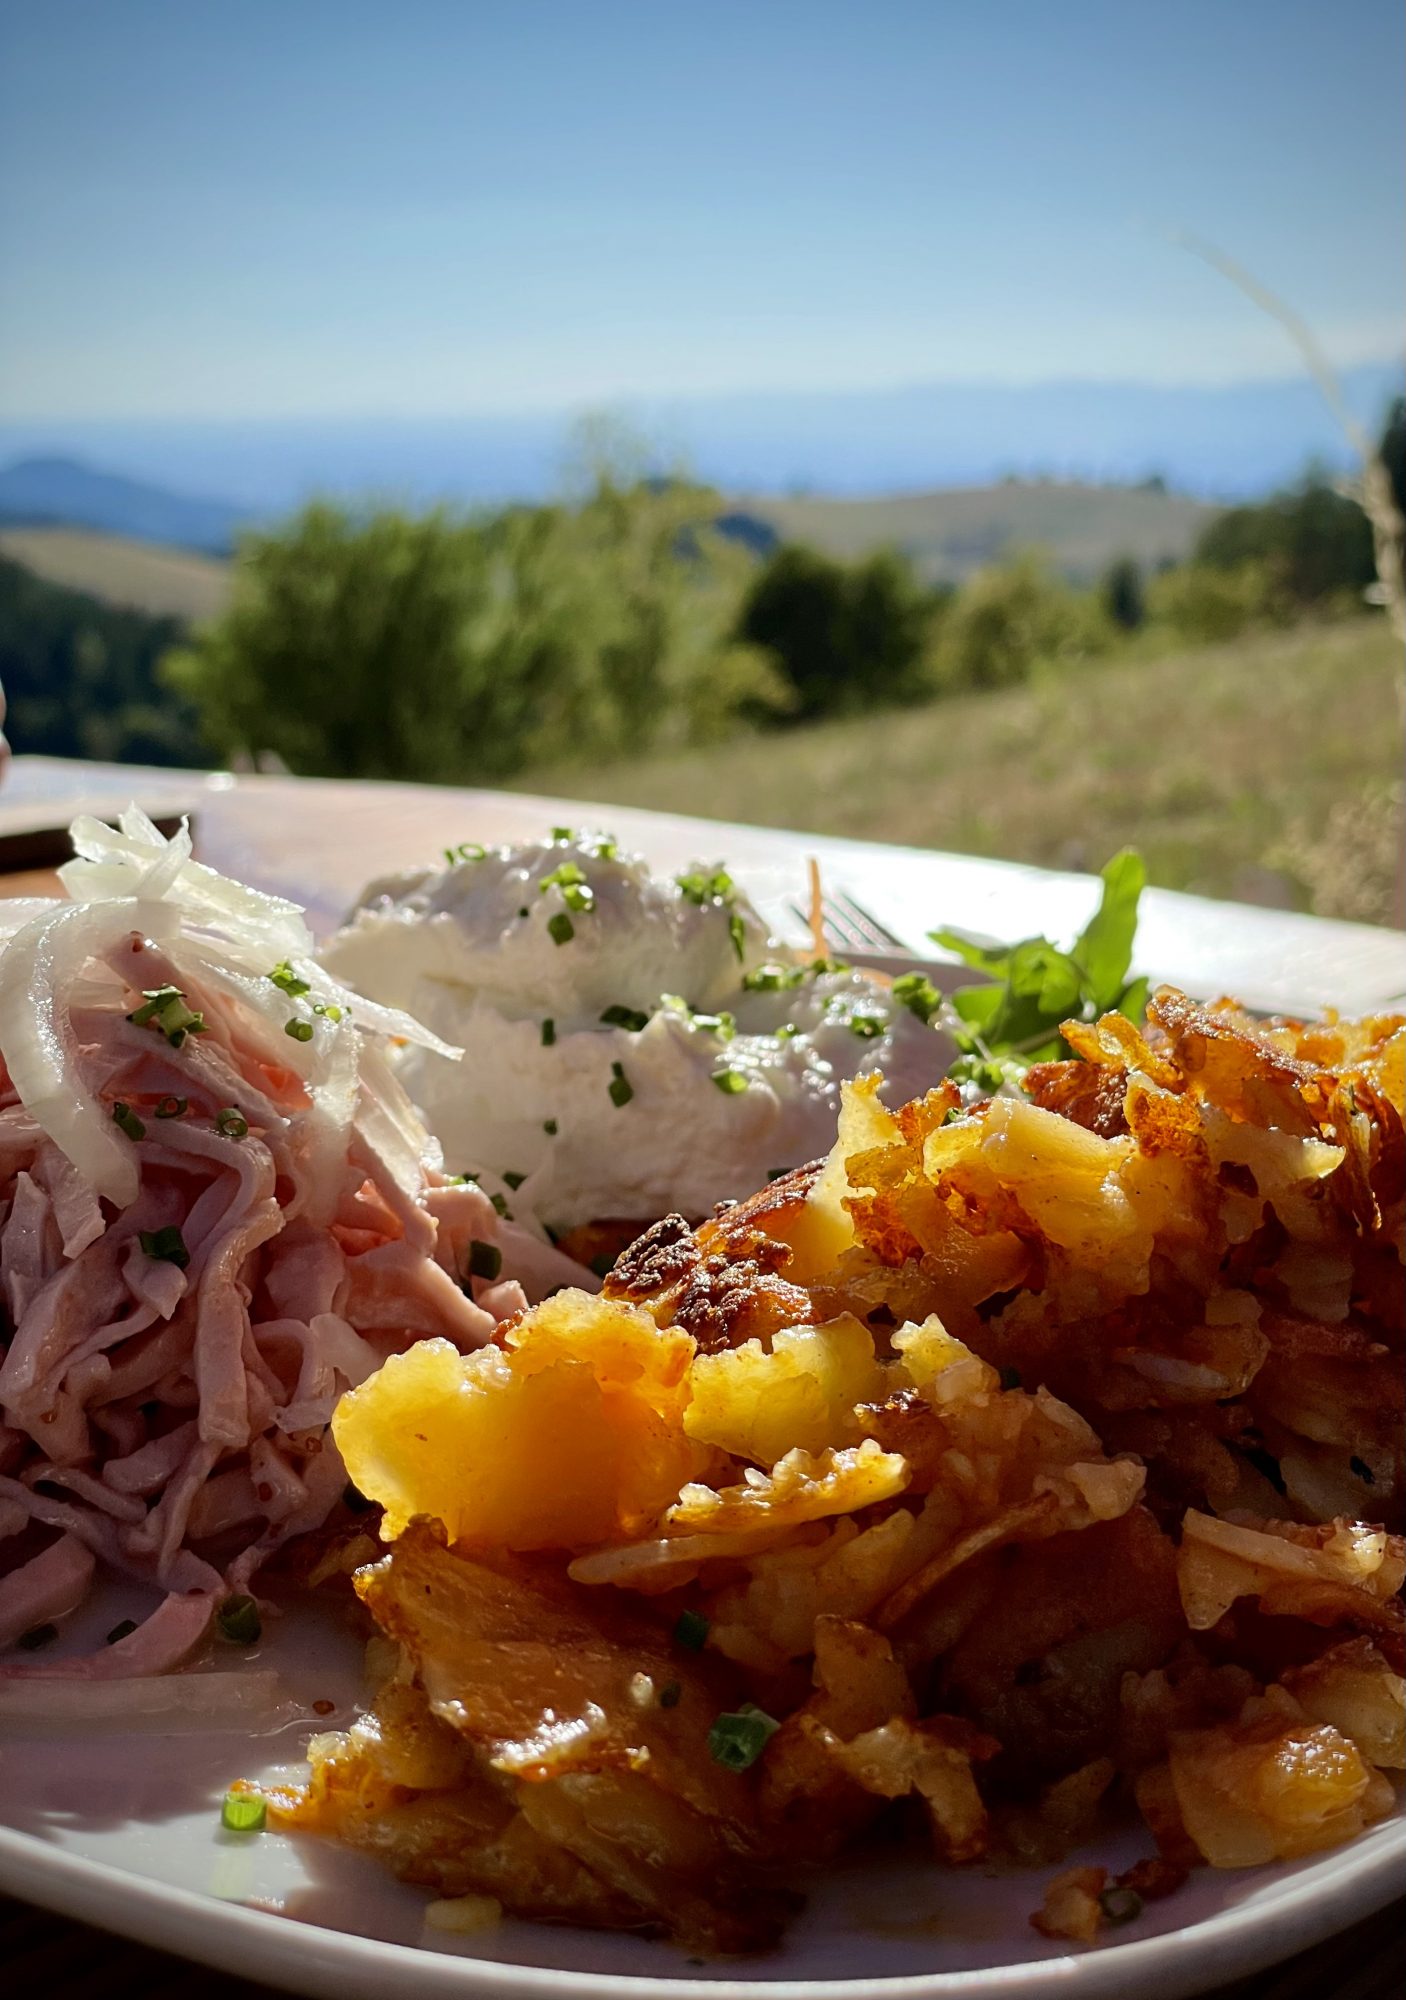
{"x": 737, "y": 1739}
{"x": 485, "y": 1259}
{"x": 1120, "y": 1906}
{"x": 625, "y": 1017}
{"x": 299, "y": 1031}
{"x": 500, "y": 1203}
{"x": 126, "y": 1120}
{"x": 172, "y": 1107}
{"x": 706, "y": 885}
{"x": 786, "y": 1032}
{"x": 562, "y": 836}
{"x": 524, "y": 911}
{"x": 570, "y": 878}
{"x": 669, "y": 1694}
{"x": 818, "y": 967}
{"x": 866, "y": 1025}
{"x": 165, "y": 1246}
{"x": 514, "y": 1181}
{"x": 1363, "y": 1471}
{"x": 621, "y": 1089}
{"x": 773, "y": 978}
{"x": 239, "y": 1621}
{"x": 549, "y": 1126}
{"x": 232, "y": 1123}
{"x": 691, "y": 1630}
{"x": 328, "y": 1009}
{"x": 775, "y": 1173}
{"x": 549, "y": 1032}
{"x": 731, "y": 1082}
{"x": 37, "y": 1636}
{"x": 467, "y": 850}
{"x": 165, "y": 1008}
{"x": 737, "y": 931}
{"x": 560, "y": 928}
{"x": 602, "y": 1264}
{"x": 723, "y": 1025}
{"x": 1011, "y": 1378}
{"x": 917, "y": 993}
{"x": 287, "y": 981}
{"x": 243, "y": 1813}
{"x": 123, "y": 1631}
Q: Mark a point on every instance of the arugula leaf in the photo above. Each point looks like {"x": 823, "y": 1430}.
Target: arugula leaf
{"x": 1034, "y": 986}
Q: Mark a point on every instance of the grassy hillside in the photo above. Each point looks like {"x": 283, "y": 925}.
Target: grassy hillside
{"x": 172, "y": 583}
{"x": 949, "y": 534}
{"x": 1266, "y": 771}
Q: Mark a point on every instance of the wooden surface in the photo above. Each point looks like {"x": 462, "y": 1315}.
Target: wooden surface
{"x": 319, "y": 842}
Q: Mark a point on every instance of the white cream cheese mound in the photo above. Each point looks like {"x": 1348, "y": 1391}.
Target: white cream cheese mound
{"x": 633, "y": 1044}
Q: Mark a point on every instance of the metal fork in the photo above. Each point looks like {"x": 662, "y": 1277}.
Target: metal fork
{"x": 850, "y": 927}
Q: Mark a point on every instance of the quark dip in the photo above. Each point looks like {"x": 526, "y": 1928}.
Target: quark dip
{"x": 633, "y": 1043}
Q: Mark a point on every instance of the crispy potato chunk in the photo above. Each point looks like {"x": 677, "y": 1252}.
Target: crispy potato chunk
{"x": 587, "y": 1387}
{"x": 759, "y": 1404}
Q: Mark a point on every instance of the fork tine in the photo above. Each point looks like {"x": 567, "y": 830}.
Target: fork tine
{"x": 875, "y": 934}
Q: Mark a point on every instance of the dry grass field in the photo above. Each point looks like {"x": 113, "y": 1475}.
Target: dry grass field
{"x": 1267, "y": 771}
{"x": 174, "y": 583}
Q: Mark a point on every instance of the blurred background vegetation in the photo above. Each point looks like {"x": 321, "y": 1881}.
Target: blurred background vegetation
{"x": 634, "y": 640}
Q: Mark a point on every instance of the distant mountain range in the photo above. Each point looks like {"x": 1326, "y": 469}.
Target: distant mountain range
{"x": 64, "y": 492}
{"x": 1211, "y": 443}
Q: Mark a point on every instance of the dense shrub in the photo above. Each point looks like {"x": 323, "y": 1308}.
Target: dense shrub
{"x": 1313, "y": 543}
{"x": 1204, "y": 603}
{"x": 845, "y": 636}
{"x": 1012, "y": 616}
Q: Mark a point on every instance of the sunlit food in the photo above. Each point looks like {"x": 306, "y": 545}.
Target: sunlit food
{"x": 1023, "y": 1462}
{"x": 218, "y": 1209}
{"x": 637, "y": 1044}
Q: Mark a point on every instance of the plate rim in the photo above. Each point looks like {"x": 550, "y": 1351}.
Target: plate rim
{"x": 313, "y": 1959}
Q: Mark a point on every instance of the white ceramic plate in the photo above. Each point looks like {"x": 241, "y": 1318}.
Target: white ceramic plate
{"x": 122, "y": 1830}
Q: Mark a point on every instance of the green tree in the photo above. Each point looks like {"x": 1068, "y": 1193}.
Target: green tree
{"x": 442, "y": 648}
{"x": 1314, "y": 542}
{"x": 846, "y": 637}
{"x": 1123, "y": 597}
{"x": 1205, "y": 603}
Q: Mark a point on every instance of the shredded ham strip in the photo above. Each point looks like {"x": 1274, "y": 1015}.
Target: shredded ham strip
{"x": 166, "y": 1417}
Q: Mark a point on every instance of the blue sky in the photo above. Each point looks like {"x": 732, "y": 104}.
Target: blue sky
{"x": 324, "y": 208}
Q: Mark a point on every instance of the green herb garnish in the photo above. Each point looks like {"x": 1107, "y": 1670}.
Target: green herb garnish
{"x": 549, "y": 1033}
{"x": 737, "y": 1739}
{"x": 723, "y": 1025}
{"x": 866, "y": 1024}
{"x": 122, "y": 1631}
{"x": 242, "y": 1812}
{"x": 514, "y": 1180}
{"x": 731, "y": 1082}
{"x": 670, "y": 1693}
{"x": 126, "y": 1120}
{"x": 467, "y": 850}
{"x": 1120, "y": 1906}
{"x": 570, "y": 879}
{"x": 774, "y": 978}
{"x": 737, "y": 931}
{"x": 287, "y": 981}
{"x": 916, "y": 992}
{"x": 165, "y": 1246}
{"x": 691, "y": 1631}
{"x": 1034, "y": 986}
{"x": 232, "y": 1123}
{"x": 298, "y": 1031}
{"x": 165, "y": 1008}
{"x": 707, "y": 885}
{"x": 37, "y": 1636}
{"x": 625, "y": 1017}
{"x": 238, "y": 1621}
{"x": 602, "y": 1264}
{"x": 621, "y": 1090}
{"x": 485, "y": 1260}
{"x": 560, "y": 928}
{"x": 328, "y": 1010}
{"x": 500, "y": 1203}
{"x": 549, "y": 1126}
